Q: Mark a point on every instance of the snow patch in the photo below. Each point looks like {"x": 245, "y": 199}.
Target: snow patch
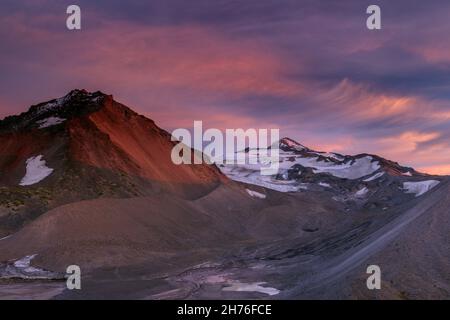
{"x": 374, "y": 177}
{"x": 22, "y": 269}
{"x": 24, "y": 264}
{"x": 256, "y": 194}
{"x": 333, "y": 155}
{"x": 349, "y": 170}
{"x": 36, "y": 171}
{"x": 53, "y": 104}
{"x": 419, "y": 188}
{"x": 252, "y": 287}
{"x": 408, "y": 174}
{"x": 362, "y": 192}
{"x": 324, "y": 184}
{"x": 242, "y": 174}
{"x": 97, "y": 99}
{"x": 51, "y": 121}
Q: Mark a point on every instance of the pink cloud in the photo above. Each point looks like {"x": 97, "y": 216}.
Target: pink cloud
{"x": 179, "y": 74}
{"x": 189, "y": 57}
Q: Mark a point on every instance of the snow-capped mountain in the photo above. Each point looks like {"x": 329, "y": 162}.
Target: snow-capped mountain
{"x": 302, "y": 169}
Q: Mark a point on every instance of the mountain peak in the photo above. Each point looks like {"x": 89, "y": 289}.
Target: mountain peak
{"x": 288, "y": 143}
{"x": 75, "y": 103}
{"x": 75, "y": 98}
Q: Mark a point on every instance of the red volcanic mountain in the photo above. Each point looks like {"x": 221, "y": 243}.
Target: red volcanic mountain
{"x": 84, "y": 146}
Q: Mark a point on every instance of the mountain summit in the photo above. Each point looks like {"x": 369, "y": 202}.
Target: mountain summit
{"x": 75, "y": 103}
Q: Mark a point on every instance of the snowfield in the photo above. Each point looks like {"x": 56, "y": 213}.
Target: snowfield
{"x": 291, "y": 166}
{"x": 51, "y": 121}
{"x": 36, "y": 171}
{"x": 250, "y": 171}
{"x": 349, "y": 170}
{"x": 419, "y": 188}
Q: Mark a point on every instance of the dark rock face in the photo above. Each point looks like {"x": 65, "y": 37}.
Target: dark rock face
{"x": 75, "y": 104}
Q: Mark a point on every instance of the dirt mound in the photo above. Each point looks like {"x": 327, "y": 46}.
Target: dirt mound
{"x": 122, "y": 232}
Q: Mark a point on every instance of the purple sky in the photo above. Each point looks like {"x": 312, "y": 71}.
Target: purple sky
{"x": 308, "y": 67}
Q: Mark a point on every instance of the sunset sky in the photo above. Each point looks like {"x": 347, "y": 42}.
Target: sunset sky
{"x": 308, "y": 67}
